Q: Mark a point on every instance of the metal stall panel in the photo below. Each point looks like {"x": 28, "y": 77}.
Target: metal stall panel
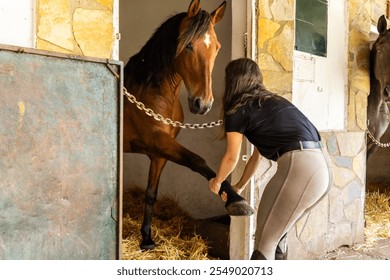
{"x": 60, "y": 156}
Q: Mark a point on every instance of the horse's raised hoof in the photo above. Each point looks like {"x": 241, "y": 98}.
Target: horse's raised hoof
{"x": 145, "y": 246}
{"x": 239, "y": 208}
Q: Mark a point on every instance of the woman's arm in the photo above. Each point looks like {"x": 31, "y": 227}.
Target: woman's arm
{"x": 249, "y": 170}
{"x": 229, "y": 160}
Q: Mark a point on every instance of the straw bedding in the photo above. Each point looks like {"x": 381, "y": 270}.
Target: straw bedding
{"x": 377, "y": 214}
{"x": 173, "y": 231}
{"x": 377, "y": 217}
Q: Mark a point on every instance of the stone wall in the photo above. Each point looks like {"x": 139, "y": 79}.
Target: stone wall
{"x": 358, "y": 63}
{"x": 81, "y": 27}
{"x": 339, "y": 219}
{"x": 378, "y": 8}
{"x": 276, "y": 44}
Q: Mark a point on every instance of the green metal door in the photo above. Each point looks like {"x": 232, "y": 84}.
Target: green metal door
{"x": 60, "y": 156}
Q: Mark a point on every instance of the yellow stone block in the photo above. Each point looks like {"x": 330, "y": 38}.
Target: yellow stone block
{"x": 361, "y": 81}
{"x": 281, "y": 47}
{"x": 264, "y": 9}
{"x": 107, "y": 3}
{"x": 361, "y": 109}
{"x": 93, "y": 32}
{"x": 267, "y": 30}
{"x": 278, "y": 82}
{"x": 54, "y": 23}
{"x": 353, "y": 7}
{"x": 359, "y": 15}
{"x": 351, "y": 111}
{"x": 363, "y": 59}
{"x": 44, "y": 45}
{"x": 283, "y": 10}
{"x": 267, "y": 63}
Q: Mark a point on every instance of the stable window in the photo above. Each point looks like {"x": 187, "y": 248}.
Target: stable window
{"x": 320, "y": 62}
{"x": 311, "y": 26}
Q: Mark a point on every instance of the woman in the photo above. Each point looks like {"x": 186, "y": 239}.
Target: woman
{"x": 280, "y": 132}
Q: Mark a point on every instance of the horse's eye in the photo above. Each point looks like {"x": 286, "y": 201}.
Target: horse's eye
{"x": 189, "y": 47}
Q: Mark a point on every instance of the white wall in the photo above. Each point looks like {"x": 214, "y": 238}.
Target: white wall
{"x": 319, "y": 83}
{"x": 20, "y": 15}
{"x": 138, "y": 20}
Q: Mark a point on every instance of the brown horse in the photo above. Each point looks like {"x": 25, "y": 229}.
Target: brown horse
{"x": 183, "y": 48}
{"x": 377, "y": 110}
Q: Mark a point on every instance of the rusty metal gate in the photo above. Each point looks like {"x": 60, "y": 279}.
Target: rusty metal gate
{"x": 60, "y": 156}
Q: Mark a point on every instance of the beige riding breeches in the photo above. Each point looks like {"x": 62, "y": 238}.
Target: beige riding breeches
{"x": 302, "y": 179}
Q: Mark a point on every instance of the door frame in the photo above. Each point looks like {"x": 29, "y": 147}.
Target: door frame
{"x": 244, "y": 27}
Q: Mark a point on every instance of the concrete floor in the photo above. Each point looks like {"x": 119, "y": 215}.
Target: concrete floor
{"x": 378, "y": 250}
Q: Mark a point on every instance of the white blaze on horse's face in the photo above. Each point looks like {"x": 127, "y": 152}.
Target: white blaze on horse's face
{"x": 195, "y": 65}
{"x": 207, "y": 40}
{"x": 195, "y": 62}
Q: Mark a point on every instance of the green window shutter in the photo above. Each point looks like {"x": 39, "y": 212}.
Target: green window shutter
{"x": 311, "y": 26}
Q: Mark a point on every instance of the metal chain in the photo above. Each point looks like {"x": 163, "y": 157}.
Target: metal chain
{"x": 159, "y": 117}
{"x": 382, "y": 145}
{"x": 168, "y": 121}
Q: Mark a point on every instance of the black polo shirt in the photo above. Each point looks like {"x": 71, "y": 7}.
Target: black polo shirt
{"x": 272, "y": 125}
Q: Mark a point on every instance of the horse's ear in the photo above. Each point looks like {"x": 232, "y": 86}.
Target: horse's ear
{"x": 382, "y": 25}
{"x": 194, "y": 8}
{"x": 218, "y": 14}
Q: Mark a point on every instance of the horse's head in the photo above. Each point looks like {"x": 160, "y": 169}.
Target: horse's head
{"x": 380, "y": 58}
{"x": 196, "y": 52}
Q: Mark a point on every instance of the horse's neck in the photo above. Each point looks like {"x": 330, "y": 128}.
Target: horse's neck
{"x": 170, "y": 87}
{"x": 165, "y": 99}
{"x": 374, "y": 98}
{"x": 166, "y": 95}
{"x": 375, "y": 93}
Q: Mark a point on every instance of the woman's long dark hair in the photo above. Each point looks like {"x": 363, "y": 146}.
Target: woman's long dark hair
{"x": 243, "y": 85}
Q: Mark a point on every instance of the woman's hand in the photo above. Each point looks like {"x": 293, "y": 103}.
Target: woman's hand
{"x": 214, "y": 186}
{"x": 237, "y": 189}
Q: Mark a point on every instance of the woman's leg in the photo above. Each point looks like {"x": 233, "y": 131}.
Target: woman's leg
{"x": 301, "y": 180}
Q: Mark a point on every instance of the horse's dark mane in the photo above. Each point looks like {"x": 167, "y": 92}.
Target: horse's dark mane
{"x": 372, "y": 58}
{"x": 155, "y": 58}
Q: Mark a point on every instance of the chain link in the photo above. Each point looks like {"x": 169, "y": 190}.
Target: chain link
{"x": 382, "y": 145}
{"x": 167, "y": 121}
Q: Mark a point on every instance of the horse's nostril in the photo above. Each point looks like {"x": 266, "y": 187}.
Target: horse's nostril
{"x": 197, "y": 103}
{"x": 387, "y": 90}
{"x": 199, "y": 106}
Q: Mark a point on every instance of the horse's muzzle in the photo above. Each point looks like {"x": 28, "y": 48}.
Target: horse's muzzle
{"x": 199, "y": 106}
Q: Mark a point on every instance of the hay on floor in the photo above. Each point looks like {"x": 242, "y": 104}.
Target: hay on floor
{"x": 173, "y": 231}
{"x": 377, "y": 215}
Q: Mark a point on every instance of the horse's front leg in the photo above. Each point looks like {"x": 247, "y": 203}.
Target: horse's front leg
{"x": 156, "y": 167}
{"x": 170, "y": 149}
